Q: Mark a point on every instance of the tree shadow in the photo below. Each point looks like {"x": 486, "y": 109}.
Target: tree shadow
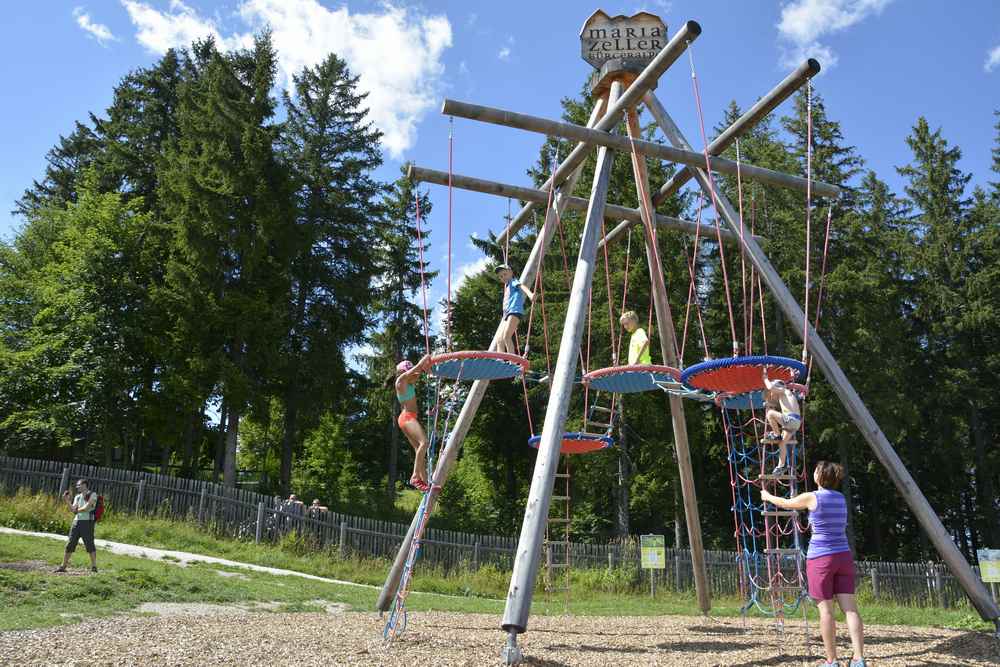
{"x": 718, "y": 630}
{"x": 597, "y": 649}
{"x": 707, "y": 646}
{"x": 783, "y": 659}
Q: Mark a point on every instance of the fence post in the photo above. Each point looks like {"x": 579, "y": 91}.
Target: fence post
{"x": 64, "y": 482}
{"x": 343, "y": 539}
{"x": 260, "y": 520}
{"x": 611, "y": 560}
{"x": 138, "y": 495}
{"x": 475, "y": 555}
{"x": 201, "y": 503}
{"x": 875, "y": 587}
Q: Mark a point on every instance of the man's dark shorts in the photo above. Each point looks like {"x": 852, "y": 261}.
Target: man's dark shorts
{"x": 81, "y": 530}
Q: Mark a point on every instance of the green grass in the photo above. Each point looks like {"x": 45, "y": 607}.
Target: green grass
{"x": 594, "y": 592}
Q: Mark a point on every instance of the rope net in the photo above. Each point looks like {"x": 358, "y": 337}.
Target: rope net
{"x": 768, "y": 540}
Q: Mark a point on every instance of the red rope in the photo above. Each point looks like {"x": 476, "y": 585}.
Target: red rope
{"x": 715, "y": 203}
{"x": 628, "y": 257}
{"x": 691, "y": 265}
{"x": 649, "y": 225}
{"x": 538, "y": 273}
{"x": 743, "y": 271}
{"x": 611, "y": 304}
{"x": 809, "y": 129}
{"x": 822, "y": 281}
{"x": 451, "y": 152}
{"x": 423, "y": 280}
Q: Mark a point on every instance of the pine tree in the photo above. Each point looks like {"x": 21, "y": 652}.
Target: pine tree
{"x": 331, "y": 148}
{"x": 66, "y": 163}
{"x": 398, "y": 307}
{"x": 227, "y": 195}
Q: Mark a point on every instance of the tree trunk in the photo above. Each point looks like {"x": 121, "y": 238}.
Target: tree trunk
{"x": 220, "y": 443}
{"x": 232, "y": 437}
{"x": 288, "y": 441}
{"x": 624, "y": 477}
{"x": 187, "y": 453}
{"x": 393, "y": 467}
{"x": 165, "y": 458}
{"x": 986, "y": 494}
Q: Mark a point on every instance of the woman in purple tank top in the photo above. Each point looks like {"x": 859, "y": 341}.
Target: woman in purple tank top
{"x": 829, "y": 563}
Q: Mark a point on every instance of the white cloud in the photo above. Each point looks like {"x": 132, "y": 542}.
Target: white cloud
{"x": 159, "y": 31}
{"x": 98, "y": 31}
{"x": 504, "y": 53}
{"x": 992, "y": 59}
{"x": 804, "y": 22}
{"x": 463, "y": 68}
{"x": 395, "y": 51}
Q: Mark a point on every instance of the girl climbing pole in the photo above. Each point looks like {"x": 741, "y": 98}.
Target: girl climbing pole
{"x": 407, "y": 375}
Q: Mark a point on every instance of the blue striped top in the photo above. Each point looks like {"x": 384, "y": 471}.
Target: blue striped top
{"x": 829, "y": 524}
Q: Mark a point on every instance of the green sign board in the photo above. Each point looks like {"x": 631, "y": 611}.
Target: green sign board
{"x": 989, "y": 565}
{"x": 654, "y": 553}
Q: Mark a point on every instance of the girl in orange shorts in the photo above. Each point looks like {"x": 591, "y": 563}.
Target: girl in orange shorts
{"x": 406, "y": 376}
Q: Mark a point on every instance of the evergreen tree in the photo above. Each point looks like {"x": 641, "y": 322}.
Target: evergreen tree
{"x": 330, "y": 148}
{"x": 65, "y": 164}
{"x": 398, "y": 308}
{"x": 227, "y": 195}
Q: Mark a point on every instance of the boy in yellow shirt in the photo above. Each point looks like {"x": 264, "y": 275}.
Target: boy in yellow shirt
{"x": 638, "y": 344}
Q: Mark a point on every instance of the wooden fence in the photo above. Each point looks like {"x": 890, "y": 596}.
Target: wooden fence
{"x": 249, "y": 515}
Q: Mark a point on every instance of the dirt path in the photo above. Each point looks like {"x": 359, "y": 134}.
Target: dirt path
{"x": 472, "y": 640}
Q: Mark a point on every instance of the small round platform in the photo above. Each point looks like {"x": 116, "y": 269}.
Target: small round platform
{"x": 476, "y": 365}
{"x": 740, "y": 375}
{"x": 753, "y": 400}
{"x": 578, "y": 443}
{"x": 630, "y": 379}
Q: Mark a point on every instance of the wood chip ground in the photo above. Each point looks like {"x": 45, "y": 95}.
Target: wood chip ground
{"x": 432, "y": 638}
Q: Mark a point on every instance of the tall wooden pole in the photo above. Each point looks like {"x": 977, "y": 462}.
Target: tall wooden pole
{"x": 905, "y": 484}
{"x": 446, "y": 461}
{"x": 668, "y": 348}
{"x": 529, "y": 544}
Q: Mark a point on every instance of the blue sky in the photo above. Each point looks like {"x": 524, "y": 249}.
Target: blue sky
{"x": 892, "y": 60}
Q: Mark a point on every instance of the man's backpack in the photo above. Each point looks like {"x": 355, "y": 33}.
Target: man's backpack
{"x": 99, "y": 508}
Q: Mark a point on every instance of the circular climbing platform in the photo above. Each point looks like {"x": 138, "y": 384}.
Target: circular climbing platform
{"x": 741, "y": 375}
{"x": 478, "y": 365}
{"x": 631, "y": 379}
{"x": 578, "y": 443}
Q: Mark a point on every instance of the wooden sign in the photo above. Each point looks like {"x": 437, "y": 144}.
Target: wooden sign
{"x": 632, "y": 39}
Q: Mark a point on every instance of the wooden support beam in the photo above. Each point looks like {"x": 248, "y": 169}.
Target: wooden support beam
{"x": 611, "y": 211}
{"x": 668, "y": 348}
{"x": 690, "y": 158}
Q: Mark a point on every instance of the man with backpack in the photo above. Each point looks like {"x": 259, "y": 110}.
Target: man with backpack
{"x": 86, "y": 510}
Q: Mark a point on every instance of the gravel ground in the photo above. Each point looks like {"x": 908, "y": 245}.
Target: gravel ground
{"x": 466, "y": 639}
